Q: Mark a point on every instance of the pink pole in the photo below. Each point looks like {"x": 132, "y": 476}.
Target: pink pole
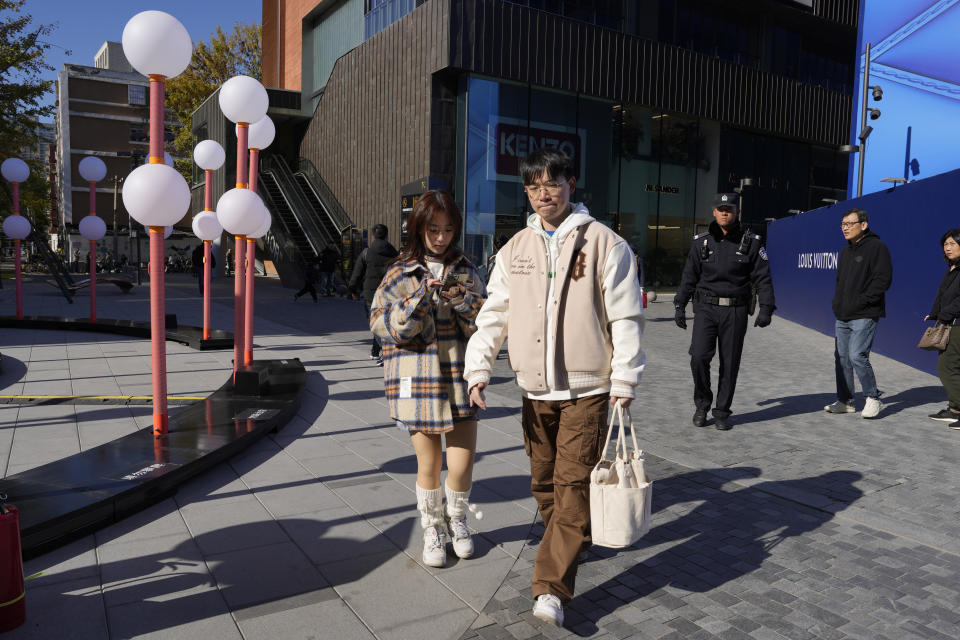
{"x": 93, "y": 257}
{"x": 16, "y": 263}
{"x": 206, "y": 289}
{"x": 208, "y": 190}
{"x": 16, "y": 253}
{"x": 254, "y": 164}
{"x": 239, "y": 251}
{"x": 158, "y": 329}
{"x": 243, "y": 131}
{"x": 93, "y": 281}
{"x": 158, "y": 333}
{"x": 157, "y": 113}
{"x": 248, "y": 303}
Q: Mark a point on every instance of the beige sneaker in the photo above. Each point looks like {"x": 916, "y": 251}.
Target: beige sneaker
{"x": 839, "y": 407}
{"x": 872, "y": 408}
{"x": 434, "y": 551}
{"x": 548, "y": 608}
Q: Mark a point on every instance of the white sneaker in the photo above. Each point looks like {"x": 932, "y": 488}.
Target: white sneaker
{"x": 548, "y": 608}
{"x": 460, "y": 535}
{"x": 839, "y": 407}
{"x": 872, "y": 408}
{"x": 434, "y": 552}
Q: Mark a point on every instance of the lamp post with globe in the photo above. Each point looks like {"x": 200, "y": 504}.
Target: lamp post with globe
{"x": 16, "y": 226}
{"x": 209, "y": 156}
{"x": 263, "y": 225}
{"x": 261, "y": 135}
{"x": 156, "y": 195}
{"x": 92, "y": 227}
{"x": 242, "y": 100}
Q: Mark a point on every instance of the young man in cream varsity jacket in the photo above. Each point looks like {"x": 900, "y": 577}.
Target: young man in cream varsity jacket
{"x": 566, "y": 294}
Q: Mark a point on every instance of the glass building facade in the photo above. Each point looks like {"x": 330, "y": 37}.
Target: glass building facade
{"x": 648, "y": 174}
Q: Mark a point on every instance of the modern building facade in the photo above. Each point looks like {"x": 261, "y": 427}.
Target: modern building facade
{"x": 101, "y": 111}
{"x": 660, "y": 103}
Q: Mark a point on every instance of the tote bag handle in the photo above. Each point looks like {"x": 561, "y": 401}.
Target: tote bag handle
{"x": 622, "y": 415}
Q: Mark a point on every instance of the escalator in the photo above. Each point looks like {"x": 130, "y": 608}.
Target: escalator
{"x": 282, "y": 210}
{"x": 54, "y": 265}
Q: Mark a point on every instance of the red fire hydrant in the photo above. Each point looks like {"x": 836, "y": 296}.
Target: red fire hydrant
{"x": 13, "y": 610}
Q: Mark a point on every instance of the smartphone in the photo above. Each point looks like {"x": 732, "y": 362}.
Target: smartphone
{"x": 454, "y": 279}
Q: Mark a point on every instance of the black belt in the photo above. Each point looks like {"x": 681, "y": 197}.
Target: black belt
{"x": 720, "y": 301}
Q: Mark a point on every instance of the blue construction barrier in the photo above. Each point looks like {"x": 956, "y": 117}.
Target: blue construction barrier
{"x": 910, "y": 219}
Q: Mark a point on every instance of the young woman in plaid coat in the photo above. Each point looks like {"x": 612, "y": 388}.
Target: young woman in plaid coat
{"x": 424, "y": 313}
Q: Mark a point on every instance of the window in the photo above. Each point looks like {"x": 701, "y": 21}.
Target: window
{"x": 138, "y": 134}
{"x": 137, "y": 94}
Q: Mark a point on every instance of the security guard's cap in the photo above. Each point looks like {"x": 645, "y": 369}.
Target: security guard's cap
{"x": 726, "y": 199}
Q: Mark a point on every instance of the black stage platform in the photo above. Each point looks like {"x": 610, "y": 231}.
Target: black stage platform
{"x": 70, "y": 498}
{"x": 184, "y": 334}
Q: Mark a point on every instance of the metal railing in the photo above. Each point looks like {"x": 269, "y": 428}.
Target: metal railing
{"x": 338, "y": 216}
{"x": 299, "y": 207}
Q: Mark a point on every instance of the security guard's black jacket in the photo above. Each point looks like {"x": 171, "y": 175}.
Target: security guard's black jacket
{"x": 716, "y": 266}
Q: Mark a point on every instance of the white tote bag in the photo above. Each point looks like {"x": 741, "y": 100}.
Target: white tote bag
{"x": 620, "y": 491}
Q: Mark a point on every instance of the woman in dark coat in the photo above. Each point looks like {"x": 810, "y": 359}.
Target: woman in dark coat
{"x": 946, "y": 310}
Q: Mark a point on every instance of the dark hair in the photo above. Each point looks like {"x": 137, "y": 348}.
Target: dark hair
{"x": 556, "y": 163}
{"x": 861, "y": 214}
{"x": 952, "y": 233}
{"x": 430, "y": 204}
{"x": 380, "y": 231}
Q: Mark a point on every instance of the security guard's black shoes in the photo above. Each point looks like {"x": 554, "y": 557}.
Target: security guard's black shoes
{"x": 722, "y": 424}
{"x": 700, "y": 418}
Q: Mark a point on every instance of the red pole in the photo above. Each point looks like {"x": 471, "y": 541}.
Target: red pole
{"x": 243, "y": 131}
{"x": 208, "y": 190}
{"x": 206, "y": 289}
{"x": 16, "y": 263}
{"x": 158, "y": 329}
{"x": 158, "y": 332}
{"x": 93, "y": 257}
{"x": 239, "y": 252}
{"x": 248, "y": 303}
{"x": 254, "y": 164}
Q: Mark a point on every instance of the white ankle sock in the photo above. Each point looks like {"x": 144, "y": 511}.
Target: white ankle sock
{"x": 457, "y": 503}
{"x": 430, "y": 506}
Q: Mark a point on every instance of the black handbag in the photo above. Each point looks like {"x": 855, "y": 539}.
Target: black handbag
{"x": 935, "y": 338}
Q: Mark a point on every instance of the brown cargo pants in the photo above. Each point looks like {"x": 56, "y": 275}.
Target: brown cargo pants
{"x": 563, "y": 439}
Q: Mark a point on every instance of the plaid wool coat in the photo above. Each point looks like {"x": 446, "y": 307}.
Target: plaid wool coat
{"x": 424, "y": 339}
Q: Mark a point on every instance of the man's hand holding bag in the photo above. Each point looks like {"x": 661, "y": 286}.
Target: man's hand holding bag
{"x": 620, "y": 490}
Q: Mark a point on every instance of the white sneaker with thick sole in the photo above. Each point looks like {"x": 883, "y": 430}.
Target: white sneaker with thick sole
{"x": 434, "y": 552}
{"x": 548, "y": 608}
{"x": 460, "y": 536}
{"x": 839, "y": 407}
{"x": 872, "y": 408}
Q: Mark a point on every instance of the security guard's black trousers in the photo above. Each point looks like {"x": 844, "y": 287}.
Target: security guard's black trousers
{"x": 713, "y": 324}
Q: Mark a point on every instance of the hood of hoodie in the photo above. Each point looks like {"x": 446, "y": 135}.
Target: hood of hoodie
{"x": 867, "y": 236}
{"x": 382, "y": 248}
{"x": 578, "y": 217}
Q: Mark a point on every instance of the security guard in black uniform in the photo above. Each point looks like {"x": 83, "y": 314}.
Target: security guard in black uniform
{"x": 722, "y": 265}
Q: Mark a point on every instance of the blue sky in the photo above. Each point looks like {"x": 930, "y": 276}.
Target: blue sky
{"x": 84, "y": 25}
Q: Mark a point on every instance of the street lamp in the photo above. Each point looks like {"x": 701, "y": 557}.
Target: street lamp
{"x": 260, "y": 137}
{"x": 243, "y": 100}
{"x": 92, "y": 227}
{"x": 744, "y": 182}
{"x": 895, "y": 181}
{"x": 116, "y": 180}
{"x": 209, "y": 156}
{"x": 16, "y": 226}
{"x": 156, "y": 195}
{"x": 865, "y": 129}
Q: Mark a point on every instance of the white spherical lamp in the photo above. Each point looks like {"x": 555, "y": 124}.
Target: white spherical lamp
{"x": 239, "y": 211}
{"x": 261, "y": 133}
{"x": 155, "y": 43}
{"x": 156, "y": 195}
{"x": 15, "y": 170}
{"x": 16, "y": 227}
{"x": 243, "y": 99}
{"x": 206, "y": 226}
{"x": 209, "y": 155}
{"x": 92, "y": 169}
{"x": 265, "y": 222}
{"x": 93, "y": 227}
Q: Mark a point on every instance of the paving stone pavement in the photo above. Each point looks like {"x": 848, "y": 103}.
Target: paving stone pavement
{"x": 795, "y": 524}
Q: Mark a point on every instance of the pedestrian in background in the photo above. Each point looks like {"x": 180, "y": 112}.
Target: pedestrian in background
{"x": 573, "y": 359}
{"x": 367, "y": 274}
{"x": 864, "y": 273}
{"x": 946, "y": 310}
{"x": 311, "y": 272}
{"x": 329, "y": 259}
{"x": 423, "y": 312}
{"x": 723, "y": 267}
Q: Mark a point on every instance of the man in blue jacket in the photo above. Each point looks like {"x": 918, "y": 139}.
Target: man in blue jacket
{"x": 864, "y": 273}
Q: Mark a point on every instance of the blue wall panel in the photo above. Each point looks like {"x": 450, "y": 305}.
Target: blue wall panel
{"x": 910, "y": 220}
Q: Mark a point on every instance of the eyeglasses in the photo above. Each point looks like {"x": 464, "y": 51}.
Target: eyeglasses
{"x": 847, "y": 225}
{"x": 553, "y": 188}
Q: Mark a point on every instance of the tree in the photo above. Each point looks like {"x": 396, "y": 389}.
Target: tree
{"x": 22, "y": 61}
{"x": 212, "y": 64}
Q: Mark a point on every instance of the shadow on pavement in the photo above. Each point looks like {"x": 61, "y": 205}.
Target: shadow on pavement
{"x": 786, "y": 406}
{"x": 730, "y": 534}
